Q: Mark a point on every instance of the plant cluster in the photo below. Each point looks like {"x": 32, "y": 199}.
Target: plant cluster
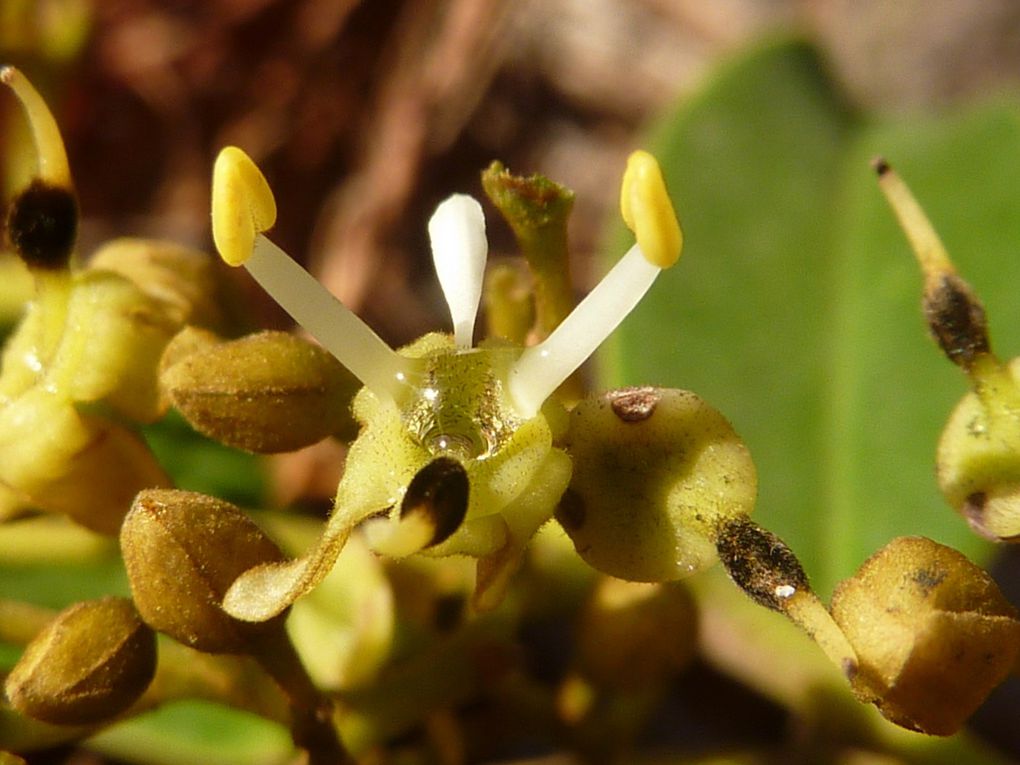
{"x": 457, "y": 453}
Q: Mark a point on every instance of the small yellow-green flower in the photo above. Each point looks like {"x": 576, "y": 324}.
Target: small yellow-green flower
{"x": 458, "y": 451}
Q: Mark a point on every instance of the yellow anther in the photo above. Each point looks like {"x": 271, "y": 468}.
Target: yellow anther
{"x": 49, "y": 146}
{"x": 242, "y": 205}
{"x": 648, "y": 211}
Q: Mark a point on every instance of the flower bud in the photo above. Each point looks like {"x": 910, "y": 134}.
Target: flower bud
{"x": 932, "y": 632}
{"x": 180, "y": 278}
{"x": 268, "y": 392}
{"x": 182, "y": 551}
{"x": 978, "y": 458}
{"x": 633, "y": 635}
{"x": 656, "y": 471}
{"x": 88, "y": 665}
{"x": 63, "y": 461}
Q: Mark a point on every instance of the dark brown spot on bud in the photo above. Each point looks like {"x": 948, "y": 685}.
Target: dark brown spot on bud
{"x": 634, "y": 404}
{"x": 571, "y": 512}
{"x": 42, "y": 225}
{"x": 956, "y": 319}
{"x": 880, "y": 166}
{"x": 439, "y": 491}
{"x": 760, "y": 563}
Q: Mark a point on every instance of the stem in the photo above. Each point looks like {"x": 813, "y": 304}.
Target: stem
{"x": 311, "y": 720}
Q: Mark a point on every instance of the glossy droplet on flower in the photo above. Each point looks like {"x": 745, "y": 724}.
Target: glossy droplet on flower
{"x": 268, "y": 392}
{"x": 656, "y": 471}
{"x": 932, "y": 631}
{"x": 87, "y": 666}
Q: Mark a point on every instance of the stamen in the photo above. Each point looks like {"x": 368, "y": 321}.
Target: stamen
{"x": 242, "y": 207}
{"x": 459, "y": 249}
{"x": 49, "y": 146}
{"x": 648, "y": 211}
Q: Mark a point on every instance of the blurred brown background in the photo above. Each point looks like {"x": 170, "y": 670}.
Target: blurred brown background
{"x": 365, "y": 114}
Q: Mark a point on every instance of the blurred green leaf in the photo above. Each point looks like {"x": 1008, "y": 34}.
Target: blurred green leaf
{"x": 795, "y": 307}
{"x": 196, "y": 733}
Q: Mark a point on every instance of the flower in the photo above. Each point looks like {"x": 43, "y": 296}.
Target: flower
{"x": 81, "y": 365}
{"x": 457, "y": 443}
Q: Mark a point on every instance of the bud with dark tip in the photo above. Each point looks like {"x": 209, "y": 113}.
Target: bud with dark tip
{"x": 978, "y": 463}
{"x": 954, "y": 314}
{"x": 88, "y": 665}
{"x": 932, "y": 631}
{"x": 268, "y": 392}
{"x": 182, "y": 551}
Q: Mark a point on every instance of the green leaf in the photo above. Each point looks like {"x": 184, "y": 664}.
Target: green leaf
{"x": 795, "y": 307}
{"x": 196, "y": 732}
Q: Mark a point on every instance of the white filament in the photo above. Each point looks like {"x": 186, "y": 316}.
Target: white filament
{"x": 335, "y": 326}
{"x": 541, "y": 369}
{"x": 459, "y": 249}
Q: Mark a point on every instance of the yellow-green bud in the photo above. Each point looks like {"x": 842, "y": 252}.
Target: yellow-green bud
{"x": 180, "y": 278}
{"x": 268, "y": 392}
{"x": 182, "y": 551}
{"x": 63, "y": 461}
{"x": 932, "y": 632}
{"x": 88, "y": 665}
{"x": 978, "y": 459}
{"x": 656, "y": 471}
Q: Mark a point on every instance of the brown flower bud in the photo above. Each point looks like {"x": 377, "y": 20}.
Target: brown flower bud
{"x": 182, "y": 551}
{"x": 268, "y": 392}
{"x": 656, "y": 471}
{"x": 932, "y": 632}
{"x": 88, "y": 665}
{"x": 6, "y": 758}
